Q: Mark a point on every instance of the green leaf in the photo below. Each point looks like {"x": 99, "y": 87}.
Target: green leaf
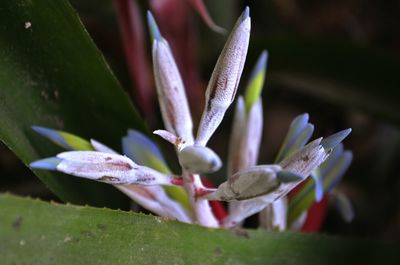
{"x": 52, "y": 75}
{"x": 29, "y": 234}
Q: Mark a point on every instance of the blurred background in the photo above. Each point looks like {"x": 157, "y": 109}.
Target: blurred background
{"x": 337, "y": 60}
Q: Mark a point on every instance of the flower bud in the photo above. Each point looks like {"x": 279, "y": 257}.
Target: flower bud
{"x": 221, "y": 89}
{"x": 252, "y": 182}
{"x": 109, "y": 168}
{"x": 199, "y": 159}
{"x": 170, "y": 89}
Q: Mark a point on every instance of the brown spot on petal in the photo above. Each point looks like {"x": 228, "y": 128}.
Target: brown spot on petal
{"x": 121, "y": 165}
{"x": 109, "y": 178}
{"x": 108, "y": 158}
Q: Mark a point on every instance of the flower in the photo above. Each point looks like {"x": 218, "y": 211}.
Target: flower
{"x": 144, "y": 176}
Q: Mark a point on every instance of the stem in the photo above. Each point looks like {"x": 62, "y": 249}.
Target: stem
{"x": 203, "y": 214}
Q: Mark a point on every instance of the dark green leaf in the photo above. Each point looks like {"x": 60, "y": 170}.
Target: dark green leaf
{"x": 52, "y": 75}
{"x": 30, "y": 234}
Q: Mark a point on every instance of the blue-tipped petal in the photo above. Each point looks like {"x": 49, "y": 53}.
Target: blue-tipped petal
{"x": 296, "y": 128}
{"x": 245, "y": 14}
{"x": 287, "y": 176}
{"x": 335, "y": 175}
{"x": 319, "y": 185}
{"x": 333, "y": 140}
{"x": 299, "y": 141}
{"x": 64, "y": 139}
{"x": 137, "y": 142}
{"x": 143, "y": 151}
{"x": 52, "y": 135}
{"x": 330, "y": 162}
{"x": 153, "y": 27}
{"x": 330, "y": 174}
{"x": 50, "y": 163}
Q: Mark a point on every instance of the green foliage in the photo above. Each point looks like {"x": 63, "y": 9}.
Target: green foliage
{"x": 30, "y": 233}
{"x": 52, "y": 75}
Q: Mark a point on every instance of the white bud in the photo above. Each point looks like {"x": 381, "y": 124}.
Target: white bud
{"x": 221, "y": 89}
{"x": 109, "y": 168}
{"x": 199, "y": 159}
{"x": 171, "y": 92}
{"x": 301, "y": 163}
{"x": 252, "y": 182}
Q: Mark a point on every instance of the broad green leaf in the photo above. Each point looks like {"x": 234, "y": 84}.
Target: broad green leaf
{"x": 29, "y": 234}
{"x": 52, "y": 75}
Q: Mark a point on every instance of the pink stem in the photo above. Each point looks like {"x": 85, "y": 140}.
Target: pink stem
{"x": 133, "y": 41}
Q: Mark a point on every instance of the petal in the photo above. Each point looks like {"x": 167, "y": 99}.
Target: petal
{"x": 331, "y": 171}
{"x": 170, "y": 89}
{"x": 64, "y": 139}
{"x": 235, "y": 155}
{"x": 154, "y": 30}
{"x": 296, "y": 128}
{"x": 47, "y": 163}
{"x": 96, "y": 158}
{"x": 225, "y": 79}
{"x": 334, "y": 139}
{"x": 256, "y": 82}
{"x": 144, "y": 151}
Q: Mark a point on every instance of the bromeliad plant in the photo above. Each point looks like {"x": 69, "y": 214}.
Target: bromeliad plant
{"x": 314, "y": 169}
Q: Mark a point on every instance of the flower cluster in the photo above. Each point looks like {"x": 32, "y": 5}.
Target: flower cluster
{"x": 142, "y": 173}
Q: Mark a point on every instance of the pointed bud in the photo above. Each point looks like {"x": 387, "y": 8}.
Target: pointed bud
{"x": 154, "y": 31}
{"x": 199, "y": 159}
{"x": 333, "y": 140}
{"x": 109, "y": 168}
{"x": 50, "y": 163}
{"x": 170, "y": 90}
{"x": 221, "y": 89}
{"x": 249, "y": 183}
{"x": 246, "y": 137}
{"x": 304, "y": 161}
